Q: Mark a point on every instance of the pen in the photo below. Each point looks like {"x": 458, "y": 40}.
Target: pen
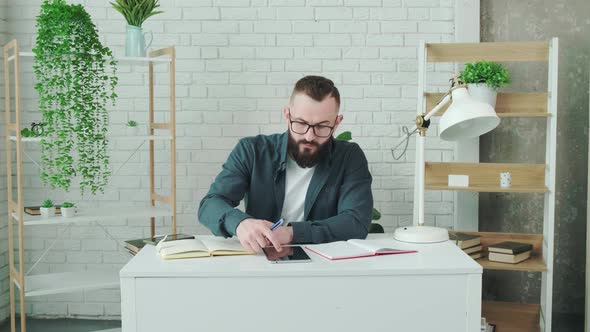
{"x": 277, "y": 224}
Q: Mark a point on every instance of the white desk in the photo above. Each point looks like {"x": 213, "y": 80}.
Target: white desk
{"x": 436, "y": 289}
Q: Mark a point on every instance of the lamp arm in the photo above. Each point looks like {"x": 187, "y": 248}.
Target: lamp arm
{"x": 445, "y": 100}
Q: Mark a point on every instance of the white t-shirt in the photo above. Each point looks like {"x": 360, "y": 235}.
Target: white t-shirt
{"x": 296, "y": 185}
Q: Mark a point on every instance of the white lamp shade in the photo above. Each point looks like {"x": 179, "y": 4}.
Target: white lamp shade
{"x": 466, "y": 117}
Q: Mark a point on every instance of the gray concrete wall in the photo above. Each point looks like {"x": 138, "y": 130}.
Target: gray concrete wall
{"x": 505, "y": 20}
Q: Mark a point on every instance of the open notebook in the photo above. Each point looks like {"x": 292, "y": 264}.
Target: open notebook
{"x": 205, "y": 247}
{"x": 355, "y": 248}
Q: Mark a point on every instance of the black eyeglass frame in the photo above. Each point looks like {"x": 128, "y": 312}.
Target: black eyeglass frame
{"x": 311, "y": 126}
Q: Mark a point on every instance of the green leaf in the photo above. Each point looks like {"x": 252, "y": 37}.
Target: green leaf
{"x": 491, "y": 73}
{"x": 136, "y": 12}
{"x": 344, "y": 136}
{"x": 375, "y": 215}
{"x": 74, "y": 86}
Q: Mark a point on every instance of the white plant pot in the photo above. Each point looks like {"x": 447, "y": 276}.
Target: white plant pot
{"x": 132, "y": 131}
{"x": 68, "y": 212}
{"x": 482, "y": 92}
{"x": 47, "y": 213}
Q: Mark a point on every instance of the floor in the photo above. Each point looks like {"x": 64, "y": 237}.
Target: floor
{"x": 568, "y": 322}
{"x": 65, "y": 325}
{"x": 561, "y": 323}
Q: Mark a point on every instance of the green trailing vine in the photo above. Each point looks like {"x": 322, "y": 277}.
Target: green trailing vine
{"x": 76, "y": 78}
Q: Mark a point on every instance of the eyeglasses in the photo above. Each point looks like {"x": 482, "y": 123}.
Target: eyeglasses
{"x": 302, "y": 128}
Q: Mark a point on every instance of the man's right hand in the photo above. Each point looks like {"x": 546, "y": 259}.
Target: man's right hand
{"x": 255, "y": 234}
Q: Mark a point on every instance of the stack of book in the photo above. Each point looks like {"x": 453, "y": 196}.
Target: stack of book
{"x": 510, "y": 252}
{"x": 470, "y": 244}
{"x": 36, "y": 210}
{"x": 487, "y": 327}
{"x": 134, "y": 246}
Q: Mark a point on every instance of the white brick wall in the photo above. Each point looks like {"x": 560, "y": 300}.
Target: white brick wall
{"x": 237, "y": 63}
{"x": 4, "y": 294}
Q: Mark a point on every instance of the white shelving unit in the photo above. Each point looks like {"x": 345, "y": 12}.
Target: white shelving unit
{"x": 526, "y": 178}
{"x": 97, "y": 214}
{"x": 56, "y": 283}
{"x": 122, "y": 59}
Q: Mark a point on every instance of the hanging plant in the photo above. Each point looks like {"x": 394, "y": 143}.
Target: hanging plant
{"x": 76, "y": 78}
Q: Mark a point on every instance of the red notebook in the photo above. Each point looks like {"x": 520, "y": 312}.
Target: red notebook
{"x": 356, "y": 248}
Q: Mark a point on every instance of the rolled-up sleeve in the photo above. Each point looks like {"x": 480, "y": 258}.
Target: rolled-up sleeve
{"x": 217, "y": 210}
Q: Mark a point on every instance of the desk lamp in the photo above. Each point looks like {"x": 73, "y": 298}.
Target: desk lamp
{"x": 465, "y": 118}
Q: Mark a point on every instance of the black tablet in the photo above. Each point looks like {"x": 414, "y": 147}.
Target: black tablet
{"x": 294, "y": 254}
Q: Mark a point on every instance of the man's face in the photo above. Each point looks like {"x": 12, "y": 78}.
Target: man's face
{"x": 307, "y": 148}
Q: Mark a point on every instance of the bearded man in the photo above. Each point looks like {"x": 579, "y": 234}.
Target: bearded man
{"x": 320, "y": 187}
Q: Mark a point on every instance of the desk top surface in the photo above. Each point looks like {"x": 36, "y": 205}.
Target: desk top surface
{"x": 438, "y": 258}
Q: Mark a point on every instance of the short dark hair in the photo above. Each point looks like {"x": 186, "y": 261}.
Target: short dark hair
{"x": 316, "y": 87}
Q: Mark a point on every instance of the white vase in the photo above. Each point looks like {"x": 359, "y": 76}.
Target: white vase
{"x": 47, "y": 213}
{"x": 132, "y": 131}
{"x": 482, "y": 92}
{"x": 135, "y": 45}
{"x": 68, "y": 212}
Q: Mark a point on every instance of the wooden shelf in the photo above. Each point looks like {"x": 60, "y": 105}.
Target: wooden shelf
{"x": 508, "y": 105}
{"x": 512, "y": 317}
{"x": 57, "y": 283}
{"x": 120, "y": 59}
{"x": 485, "y": 177}
{"x": 489, "y": 189}
{"x": 95, "y": 214}
{"x": 110, "y": 138}
{"x": 533, "y": 264}
{"x": 500, "y": 52}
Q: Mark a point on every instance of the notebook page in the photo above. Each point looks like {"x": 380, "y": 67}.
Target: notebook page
{"x": 220, "y": 245}
{"x": 180, "y": 246}
{"x": 339, "y": 249}
{"x": 375, "y": 246}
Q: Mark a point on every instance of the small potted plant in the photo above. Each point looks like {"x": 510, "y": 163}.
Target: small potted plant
{"x": 132, "y": 127}
{"x": 47, "y": 209}
{"x": 68, "y": 210}
{"x": 135, "y": 13}
{"x": 483, "y": 80}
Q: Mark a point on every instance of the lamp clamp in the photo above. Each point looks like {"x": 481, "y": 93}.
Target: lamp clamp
{"x": 422, "y": 124}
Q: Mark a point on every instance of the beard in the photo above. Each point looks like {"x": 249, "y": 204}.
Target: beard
{"x": 304, "y": 156}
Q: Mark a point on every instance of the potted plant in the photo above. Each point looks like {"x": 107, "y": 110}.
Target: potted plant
{"x": 47, "y": 209}
{"x": 132, "y": 127}
{"x": 76, "y": 78}
{"x": 68, "y": 210}
{"x": 36, "y": 130}
{"x": 483, "y": 80}
{"x": 136, "y": 12}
